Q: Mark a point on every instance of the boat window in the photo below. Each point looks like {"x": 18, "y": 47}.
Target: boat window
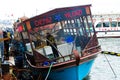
{"x": 106, "y": 24}
{"x": 82, "y": 26}
{"x": 85, "y": 31}
{"x": 90, "y": 25}
{"x": 118, "y": 24}
{"x": 98, "y": 25}
{"x": 68, "y": 27}
{"x": 80, "y": 31}
{"x": 113, "y": 24}
{"x": 78, "y": 24}
{"x": 85, "y": 26}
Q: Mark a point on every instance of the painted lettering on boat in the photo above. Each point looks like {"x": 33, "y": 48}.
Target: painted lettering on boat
{"x": 64, "y": 15}
{"x": 108, "y": 29}
{"x": 73, "y": 14}
{"x": 43, "y": 21}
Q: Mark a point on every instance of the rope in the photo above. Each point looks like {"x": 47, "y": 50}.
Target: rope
{"x": 49, "y": 70}
{"x": 109, "y": 63}
{"x": 110, "y": 66}
{"x": 111, "y": 53}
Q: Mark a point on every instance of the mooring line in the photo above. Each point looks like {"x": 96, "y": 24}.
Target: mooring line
{"x": 110, "y": 66}
{"x": 111, "y": 53}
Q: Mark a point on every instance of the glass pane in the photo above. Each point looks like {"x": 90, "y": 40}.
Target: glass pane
{"x": 106, "y": 24}
{"x": 118, "y": 24}
{"x": 113, "y": 24}
{"x": 78, "y": 23}
{"x": 85, "y": 25}
{"x": 90, "y": 24}
{"x": 98, "y": 25}
{"x": 81, "y": 31}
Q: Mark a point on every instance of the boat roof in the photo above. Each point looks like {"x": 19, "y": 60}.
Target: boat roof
{"x": 57, "y": 15}
{"x": 57, "y": 10}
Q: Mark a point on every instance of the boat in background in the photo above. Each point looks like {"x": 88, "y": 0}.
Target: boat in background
{"x": 107, "y": 26}
{"x": 77, "y": 45}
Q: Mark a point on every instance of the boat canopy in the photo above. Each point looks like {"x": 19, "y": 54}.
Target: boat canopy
{"x": 53, "y": 16}
{"x": 70, "y": 26}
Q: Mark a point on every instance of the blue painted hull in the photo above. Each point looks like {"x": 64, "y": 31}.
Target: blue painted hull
{"x": 72, "y": 73}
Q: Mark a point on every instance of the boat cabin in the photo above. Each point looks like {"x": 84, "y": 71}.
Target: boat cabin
{"x": 71, "y": 31}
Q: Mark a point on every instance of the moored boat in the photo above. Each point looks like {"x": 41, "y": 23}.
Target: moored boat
{"x": 71, "y": 51}
{"x": 107, "y": 28}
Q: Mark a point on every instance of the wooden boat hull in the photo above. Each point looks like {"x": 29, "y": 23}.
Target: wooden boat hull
{"x": 71, "y": 73}
{"x": 68, "y": 70}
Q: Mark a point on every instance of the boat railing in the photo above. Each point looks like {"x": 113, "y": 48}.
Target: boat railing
{"x": 40, "y": 62}
{"x": 92, "y": 50}
{"x": 74, "y": 56}
{"x": 92, "y": 46}
{"x": 89, "y": 49}
{"x": 63, "y": 58}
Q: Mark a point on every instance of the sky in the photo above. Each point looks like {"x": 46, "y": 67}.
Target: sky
{"x": 30, "y": 8}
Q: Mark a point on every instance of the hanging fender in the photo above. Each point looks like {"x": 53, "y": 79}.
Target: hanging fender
{"x": 77, "y": 57}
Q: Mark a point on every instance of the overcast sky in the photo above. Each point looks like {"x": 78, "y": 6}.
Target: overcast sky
{"x": 29, "y": 8}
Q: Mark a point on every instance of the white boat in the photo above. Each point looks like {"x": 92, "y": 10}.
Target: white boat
{"x": 107, "y": 28}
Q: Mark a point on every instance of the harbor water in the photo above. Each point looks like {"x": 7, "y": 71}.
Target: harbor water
{"x": 106, "y": 66}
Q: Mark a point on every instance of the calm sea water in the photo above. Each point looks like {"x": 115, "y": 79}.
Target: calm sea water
{"x": 107, "y": 67}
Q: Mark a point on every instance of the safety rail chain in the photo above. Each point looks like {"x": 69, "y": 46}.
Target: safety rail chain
{"x": 111, "y": 53}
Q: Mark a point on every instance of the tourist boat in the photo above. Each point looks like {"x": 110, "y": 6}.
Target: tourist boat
{"x": 77, "y": 45}
{"x": 108, "y": 28}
